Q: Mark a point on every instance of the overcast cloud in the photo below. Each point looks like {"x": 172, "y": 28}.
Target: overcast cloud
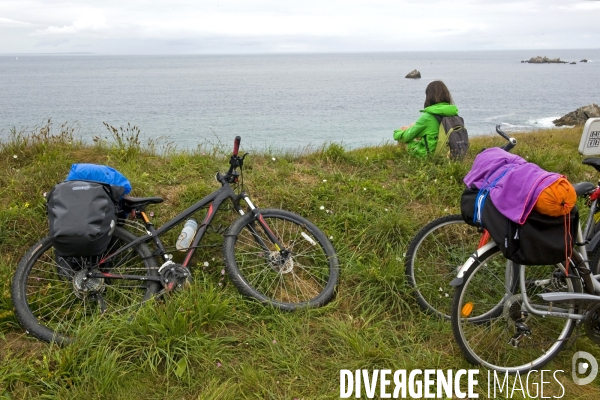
{"x": 266, "y": 26}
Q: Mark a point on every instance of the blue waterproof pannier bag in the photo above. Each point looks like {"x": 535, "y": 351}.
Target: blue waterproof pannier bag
{"x": 82, "y": 211}
{"x": 99, "y": 173}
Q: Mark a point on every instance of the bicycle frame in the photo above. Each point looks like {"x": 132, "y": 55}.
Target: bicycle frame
{"x": 580, "y": 254}
{"x": 214, "y": 202}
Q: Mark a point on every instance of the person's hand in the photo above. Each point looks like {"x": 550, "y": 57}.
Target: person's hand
{"x": 405, "y": 127}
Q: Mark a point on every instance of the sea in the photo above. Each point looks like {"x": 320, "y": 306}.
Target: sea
{"x": 290, "y": 102}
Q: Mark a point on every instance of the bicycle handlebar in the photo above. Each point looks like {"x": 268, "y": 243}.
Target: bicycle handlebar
{"x": 236, "y": 145}
{"x": 512, "y": 142}
{"x": 234, "y": 162}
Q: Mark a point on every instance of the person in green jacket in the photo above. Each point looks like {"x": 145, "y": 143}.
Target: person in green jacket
{"x": 422, "y": 136}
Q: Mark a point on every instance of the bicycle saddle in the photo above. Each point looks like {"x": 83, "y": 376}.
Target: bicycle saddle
{"x": 594, "y": 162}
{"x": 583, "y": 188}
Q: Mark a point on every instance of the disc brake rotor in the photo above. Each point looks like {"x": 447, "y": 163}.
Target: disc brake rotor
{"x": 281, "y": 264}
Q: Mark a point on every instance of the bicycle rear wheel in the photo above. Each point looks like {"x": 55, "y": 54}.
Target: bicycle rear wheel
{"x": 433, "y": 258}
{"x": 513, "y": 340}
{"x": 53, "y": 297}
{"x": 302, "y": 274}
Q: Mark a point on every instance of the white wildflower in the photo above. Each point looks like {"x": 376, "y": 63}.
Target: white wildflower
{"x": 206, "y": 263}
{"x": 322, "y": 208}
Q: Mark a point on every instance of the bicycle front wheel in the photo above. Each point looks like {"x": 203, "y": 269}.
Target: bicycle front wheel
{"x": 303, "y": 273}
{"x": 515, "y": 339}
{"x": 53, "y": 297}
{"x": 433, "y": 258}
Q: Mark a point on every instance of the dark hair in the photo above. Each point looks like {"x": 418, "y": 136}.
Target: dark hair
{"x": 437, "y": 92}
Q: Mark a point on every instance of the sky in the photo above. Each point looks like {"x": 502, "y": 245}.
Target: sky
{"x": 301, "y": 26}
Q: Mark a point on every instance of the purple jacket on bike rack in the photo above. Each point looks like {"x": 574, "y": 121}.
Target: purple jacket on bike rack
{"x": 515, "y": 193}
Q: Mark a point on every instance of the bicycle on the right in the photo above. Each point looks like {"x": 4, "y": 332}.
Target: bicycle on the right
{"x": 515, "y": 318}
{"x": 437, "y": 251}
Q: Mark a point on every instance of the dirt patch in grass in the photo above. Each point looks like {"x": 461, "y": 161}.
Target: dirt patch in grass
{"x": 21, "y": 344}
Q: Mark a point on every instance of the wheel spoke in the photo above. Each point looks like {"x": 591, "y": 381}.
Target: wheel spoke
{"x": 432, "y": 259}
{"x": 299, "y": 273}
{"x": 54, "y": 296}
{"x": 512, "y": 338}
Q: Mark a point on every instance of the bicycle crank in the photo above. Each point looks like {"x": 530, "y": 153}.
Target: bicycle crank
{"x": 174, "y": 276}
{"x": 592, "y": 323}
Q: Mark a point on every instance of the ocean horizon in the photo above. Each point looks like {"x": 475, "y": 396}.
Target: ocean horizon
{"x": 288, "y": 101}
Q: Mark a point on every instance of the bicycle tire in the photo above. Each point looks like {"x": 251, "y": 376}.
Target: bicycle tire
{"x": 48, "y": 305}
{"x": 305, "y": 279}
{"x": 432, "y": 259}
{"x": 594, "y": 260}
{"x": 489, "y": 343}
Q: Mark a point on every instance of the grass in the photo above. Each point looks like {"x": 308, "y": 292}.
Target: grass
{"x": 211, "y": 343}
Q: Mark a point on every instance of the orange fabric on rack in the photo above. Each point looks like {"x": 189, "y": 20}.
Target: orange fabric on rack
{"x": 557, "y": 199}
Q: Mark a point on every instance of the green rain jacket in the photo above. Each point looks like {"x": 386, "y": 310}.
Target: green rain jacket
{"x": 426, "y": 128}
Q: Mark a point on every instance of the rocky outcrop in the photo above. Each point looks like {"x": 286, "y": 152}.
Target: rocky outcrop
{"x": 414, "y": 74}
{"x": 584, "y": 60}
{"x": 545, "y": 60}
{"x": 579, "y": 116}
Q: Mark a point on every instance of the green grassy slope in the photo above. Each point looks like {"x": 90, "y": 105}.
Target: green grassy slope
{"x": 209, "y": 342}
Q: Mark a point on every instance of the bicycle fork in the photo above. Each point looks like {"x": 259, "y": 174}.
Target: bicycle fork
{"x": 279, "y": 247}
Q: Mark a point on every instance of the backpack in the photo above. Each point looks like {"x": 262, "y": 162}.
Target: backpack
{"x": 452, "y": 135}
{"x": 82, "y": 216}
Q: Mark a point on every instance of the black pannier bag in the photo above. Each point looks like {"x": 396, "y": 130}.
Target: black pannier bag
{"x": 541, "y": 240}
{"x": 82, "y": 216}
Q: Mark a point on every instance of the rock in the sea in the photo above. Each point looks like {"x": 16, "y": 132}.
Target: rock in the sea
{"x": 584, "y": 60}
{"x": 414, "y": 74}
{"x": 545, "y": 60}
{"x": 579, "y": 116}
{"x": 573, "y": 62}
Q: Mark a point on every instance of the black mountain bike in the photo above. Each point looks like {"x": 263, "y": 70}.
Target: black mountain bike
{"x": 274, "y": 256}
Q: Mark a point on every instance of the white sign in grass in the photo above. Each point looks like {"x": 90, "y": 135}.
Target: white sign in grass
{"x": 590, "y": 138}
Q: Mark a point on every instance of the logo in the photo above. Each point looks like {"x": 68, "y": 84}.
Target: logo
{"x": 81, "y": 188}
{"x": 584, "y": 364}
